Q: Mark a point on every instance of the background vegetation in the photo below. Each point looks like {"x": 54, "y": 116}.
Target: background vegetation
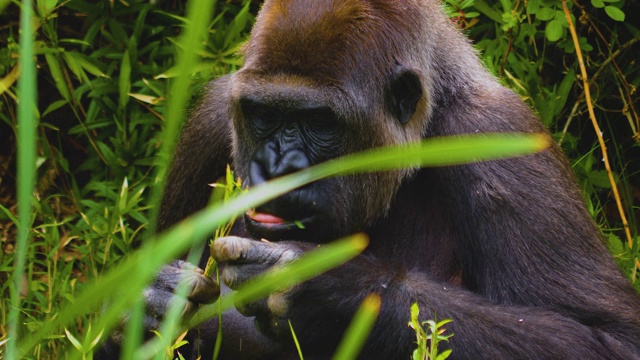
{"x": 104, "y": 71}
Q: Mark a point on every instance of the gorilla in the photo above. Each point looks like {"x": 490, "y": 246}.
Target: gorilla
{"x": 505, "y": 248}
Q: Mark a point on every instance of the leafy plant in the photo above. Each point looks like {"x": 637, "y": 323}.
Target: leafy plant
{"x": 573, "y": 62}
{"x": 428, "y": 339}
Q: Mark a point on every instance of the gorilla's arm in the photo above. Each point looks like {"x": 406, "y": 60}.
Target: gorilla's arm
{"x": 200, "y": 158}
{"x": 320, "y": 310}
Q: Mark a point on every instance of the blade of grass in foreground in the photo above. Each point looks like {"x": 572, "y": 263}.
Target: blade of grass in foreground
{"x": 359, "y": 329}
{"x": 198, "y": 14}
{"x": 191, "y": 42}
{"x": 3, "y": 4}
{"x": 26, "y": 130}
{"x": 158, "y": 251}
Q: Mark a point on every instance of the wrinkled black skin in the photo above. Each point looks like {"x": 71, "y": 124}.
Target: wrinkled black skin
{"x": 506, "y": 249}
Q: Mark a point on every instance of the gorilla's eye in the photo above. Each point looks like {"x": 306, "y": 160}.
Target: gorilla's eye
{"x": 261, "y": 120}
{"x": 321, "y": 121}
{"x": 266, "y": 119}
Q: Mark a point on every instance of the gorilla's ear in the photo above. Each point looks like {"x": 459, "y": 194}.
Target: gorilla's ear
{"x": 403, "y": 92}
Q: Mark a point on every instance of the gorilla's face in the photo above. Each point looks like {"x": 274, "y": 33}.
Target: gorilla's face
{"x": 283, "y": 124}
{"x": 281, "y": 128}
{"x": 316, "y": 86}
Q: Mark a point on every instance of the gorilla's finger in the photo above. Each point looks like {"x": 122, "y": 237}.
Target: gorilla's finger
{"x": 253, "y": 308}
{"x": 203, "y": 290}
{"x": 158, "y": 301}
{"x": 200, "y": 289}
{"x": 234, "y": 275}
{"x": 242, "y": 250}
{"x": 278, "y": 302}
{"x": 169, "y": 277}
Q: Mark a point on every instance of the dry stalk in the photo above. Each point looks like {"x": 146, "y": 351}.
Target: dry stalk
{"x": 596, "y": 127}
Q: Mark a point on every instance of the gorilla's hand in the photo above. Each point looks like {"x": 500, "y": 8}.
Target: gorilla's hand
{"x": 199, "y": 289}
{"x": 246, "y": 258}
{"x": 160, "y": 294}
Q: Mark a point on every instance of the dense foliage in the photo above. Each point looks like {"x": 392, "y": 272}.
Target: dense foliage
{"x": 104, "y": 70}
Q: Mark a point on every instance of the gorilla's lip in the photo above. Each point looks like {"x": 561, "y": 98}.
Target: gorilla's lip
{"x": 275, "y": 228}
{"x": 265, "y": 218}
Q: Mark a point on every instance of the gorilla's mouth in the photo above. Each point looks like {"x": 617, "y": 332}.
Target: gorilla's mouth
{"x": 264, "y": 218}
{"x": 274, "y": 228}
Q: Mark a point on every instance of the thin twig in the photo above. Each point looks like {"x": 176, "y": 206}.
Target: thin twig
{"x": 596, "y": 127}
{"x": 636, "y": 135}
{"x": 607, "y": 61}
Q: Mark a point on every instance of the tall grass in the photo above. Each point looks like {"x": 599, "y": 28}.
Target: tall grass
{"x": 27, "y": 92}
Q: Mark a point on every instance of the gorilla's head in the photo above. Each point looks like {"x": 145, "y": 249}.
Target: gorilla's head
{"x": 323, "y": 79}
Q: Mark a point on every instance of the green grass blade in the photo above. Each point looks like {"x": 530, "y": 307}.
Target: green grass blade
{"x": 359, "y": 329}
{"x": 295, "y": 340}
{"x": 3, "y": 4}
{"x": 133, "y": 331}
{"x": 434, "y": 152}
{"x": 124, "y": 81}
{"x": 191, "y": 42}
{"x": 27, "y": 93}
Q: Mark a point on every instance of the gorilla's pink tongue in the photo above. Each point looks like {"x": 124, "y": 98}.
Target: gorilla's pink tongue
{"x": 265, "y": 218}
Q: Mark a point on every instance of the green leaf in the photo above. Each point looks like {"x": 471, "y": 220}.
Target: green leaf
{"x": 46, "y": 6}
{"x": 71, "y": 59}
{"x": 75, "y": 342}
{"x": 124, "y": 82}
{"x": 597, "y": 3}
{"x": 562, "y": 92}
{"x": 614, "y": 244}
{"x": 89, "y": 65}
{"x": 237, "y": 25}
{"x": 614, "y": 13}
{"x": 118, "y": 32}
{"x": 444, "y": 354}
{"x": 74, "y": 41}
{"x": 56, "y": 73}
{"x": 533, "y": 6}
{"x": 54, "y": 106}
{"x": 545, "y": 14}
{"x": 488, "y": 11}
{"x": 359, "y": 329}
{"x": 561, "y": 18}
{"x": 599, "y": 178}
{"x": 9, "y": 215}
{"x": 584, "y": 45}
{"x": 295, "y": 340}
{"x": 553, "y": 30}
